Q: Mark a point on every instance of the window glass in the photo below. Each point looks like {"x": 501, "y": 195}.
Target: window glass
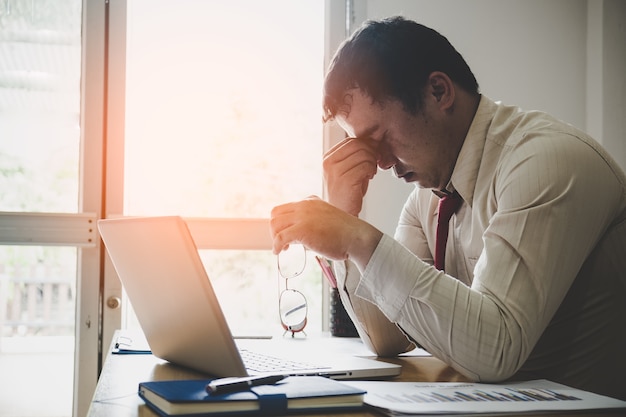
{"x": 223, "y": 109}
{"x": 223, "y": 119}
{"x": 37, "y": 304}
{"x": 40, "y": 74}
{"x": 248, "y": 286}
{"x": 40, "y": 53}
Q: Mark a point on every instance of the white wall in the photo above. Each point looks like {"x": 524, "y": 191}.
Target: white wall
{"x": 614, "y": 77}
{"x": 530, "y": 53}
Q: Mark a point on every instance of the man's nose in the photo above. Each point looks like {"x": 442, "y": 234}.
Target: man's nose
{"x": 386, "y": 160}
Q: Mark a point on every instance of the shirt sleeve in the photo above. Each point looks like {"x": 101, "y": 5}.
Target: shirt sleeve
{"x": 380, "y": 335}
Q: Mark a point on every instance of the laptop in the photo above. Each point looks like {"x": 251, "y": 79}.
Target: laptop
{"x": 160, "y": 268}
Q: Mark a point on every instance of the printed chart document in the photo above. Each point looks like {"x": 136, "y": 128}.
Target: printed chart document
{"x": 462, "y": 398}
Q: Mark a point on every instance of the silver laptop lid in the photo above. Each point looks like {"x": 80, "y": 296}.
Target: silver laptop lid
{"x": 162, "y": 273}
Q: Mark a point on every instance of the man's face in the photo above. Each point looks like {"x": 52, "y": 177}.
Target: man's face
{"x": 413, "y": 145}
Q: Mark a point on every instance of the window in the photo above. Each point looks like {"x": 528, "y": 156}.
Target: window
{"x": 223, "y": 121}
{"x": 63, "y": 79}
{"x": 41, "y": 224}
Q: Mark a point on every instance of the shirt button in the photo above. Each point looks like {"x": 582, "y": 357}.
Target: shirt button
{"x": 380, "y": 299}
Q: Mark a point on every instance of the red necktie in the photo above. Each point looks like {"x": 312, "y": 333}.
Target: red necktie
{"x": 448, "y": 205}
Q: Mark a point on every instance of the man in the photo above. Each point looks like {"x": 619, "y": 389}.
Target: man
{"x": 535, "y": 264}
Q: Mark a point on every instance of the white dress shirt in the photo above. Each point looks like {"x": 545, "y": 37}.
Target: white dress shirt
{"x": 535, "y": 282}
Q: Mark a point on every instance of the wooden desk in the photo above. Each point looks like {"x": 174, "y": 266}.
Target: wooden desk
{"x": 116, "y": 392}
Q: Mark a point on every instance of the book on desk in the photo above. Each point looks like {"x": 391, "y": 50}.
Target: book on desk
{"x": 292, "y": 394}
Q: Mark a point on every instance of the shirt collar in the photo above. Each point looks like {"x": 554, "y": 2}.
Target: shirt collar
{"x": 467, "y": 165}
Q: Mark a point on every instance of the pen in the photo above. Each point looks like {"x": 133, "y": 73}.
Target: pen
{"x": 328, "y": 273}
{"x": 225, "y": 385}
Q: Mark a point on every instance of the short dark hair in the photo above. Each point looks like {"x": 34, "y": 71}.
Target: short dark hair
{"x": 392, "y": 59}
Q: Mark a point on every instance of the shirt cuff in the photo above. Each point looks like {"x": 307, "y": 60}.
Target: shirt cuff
{"x": 386, "y": 280}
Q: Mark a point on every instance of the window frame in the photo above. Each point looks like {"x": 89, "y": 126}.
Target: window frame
{"x": 78, "y": 229}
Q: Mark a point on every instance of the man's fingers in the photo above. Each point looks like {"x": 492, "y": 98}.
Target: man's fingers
{"x": 350, "y": 149}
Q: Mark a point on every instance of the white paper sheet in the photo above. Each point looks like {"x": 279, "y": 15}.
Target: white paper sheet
{"x": 458, "y": 398}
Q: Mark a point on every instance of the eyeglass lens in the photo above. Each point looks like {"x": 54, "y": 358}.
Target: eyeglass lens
{"x": 293, "y": 310}
{"x": 291, "y": 261}
{"x": 292, "y": 303}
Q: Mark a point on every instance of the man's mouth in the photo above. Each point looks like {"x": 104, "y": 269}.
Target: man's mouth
{"x": 402, "y": 174}
{"x": 408, "y": 177}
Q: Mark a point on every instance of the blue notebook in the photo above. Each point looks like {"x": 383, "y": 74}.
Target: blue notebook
{"x": 292, "y": 394}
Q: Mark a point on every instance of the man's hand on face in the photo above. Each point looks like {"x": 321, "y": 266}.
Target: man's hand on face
{"x": 348, "y": 168}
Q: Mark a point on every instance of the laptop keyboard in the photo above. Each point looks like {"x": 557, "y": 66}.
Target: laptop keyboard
{"x": 260, "y": 362}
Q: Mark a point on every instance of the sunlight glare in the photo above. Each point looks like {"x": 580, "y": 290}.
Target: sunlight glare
{"x": 222, "y": 116}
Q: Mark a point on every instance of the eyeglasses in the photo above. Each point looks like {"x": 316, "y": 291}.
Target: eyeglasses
{"x": 292, "y": 305}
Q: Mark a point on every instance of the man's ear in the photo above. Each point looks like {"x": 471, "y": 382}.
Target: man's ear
{"x": 441, "y": 88}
